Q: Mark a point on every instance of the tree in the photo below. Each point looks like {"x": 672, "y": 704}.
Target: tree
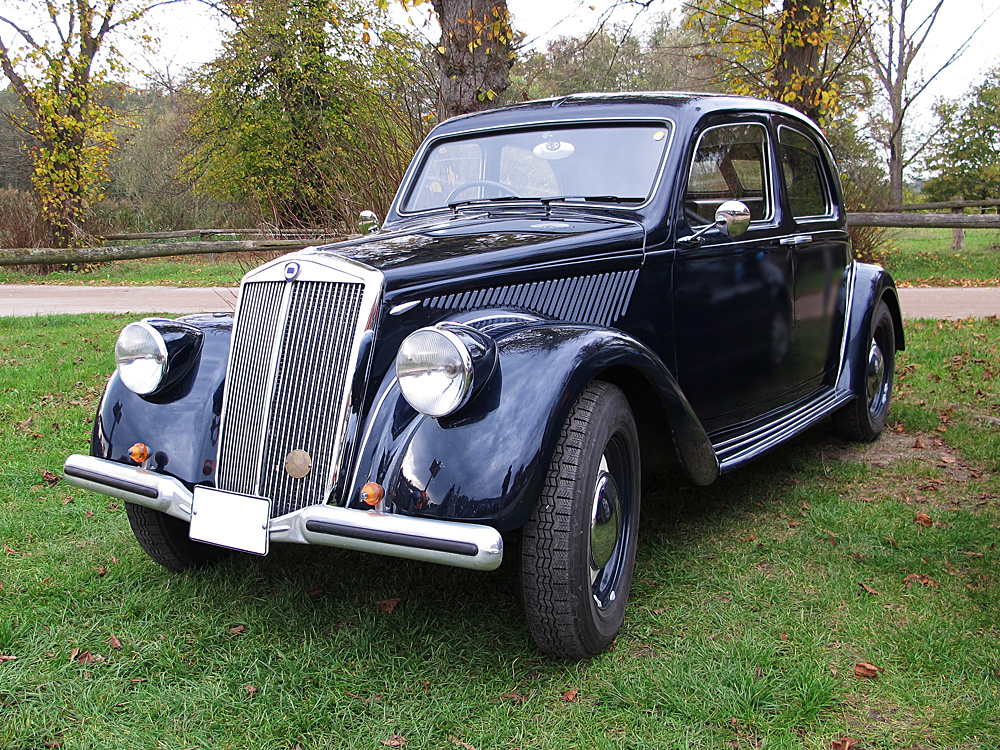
{"x": 58, "y": 79}
{"x": 893, "y": 43}
{"x": 614, "y": 58}
{"x": 965, "y": 156}
{"x": 797, "y": 51}
{"x": 296, "y": 115}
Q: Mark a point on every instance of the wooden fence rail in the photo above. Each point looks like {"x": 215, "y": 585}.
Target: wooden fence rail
{"x": 57, "y": 256}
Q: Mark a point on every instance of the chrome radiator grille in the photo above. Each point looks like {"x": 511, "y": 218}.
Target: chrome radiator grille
{"x": 286, "y": 387}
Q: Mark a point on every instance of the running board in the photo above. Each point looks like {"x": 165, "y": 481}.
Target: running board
{"x": 735, "y": 447}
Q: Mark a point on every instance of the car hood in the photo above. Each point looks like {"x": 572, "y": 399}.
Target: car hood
{"x": 423, "y": 254}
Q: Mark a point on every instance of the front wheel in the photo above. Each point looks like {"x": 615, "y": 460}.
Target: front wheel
{"x": 165, "y": 539}
{"x": 863, "y": 419}
{"x": 578, "y": 548}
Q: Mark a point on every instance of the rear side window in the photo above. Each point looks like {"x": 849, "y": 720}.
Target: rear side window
{"x": 802, "y": 164}
{"x": 729, "y": 164}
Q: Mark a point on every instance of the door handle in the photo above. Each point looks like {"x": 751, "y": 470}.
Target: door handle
{"x": 798, "y": 239}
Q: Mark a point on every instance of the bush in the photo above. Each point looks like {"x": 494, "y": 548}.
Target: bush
{"x": 21, "y": 222}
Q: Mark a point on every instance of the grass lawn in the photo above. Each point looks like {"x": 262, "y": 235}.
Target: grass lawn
{"x": 754, "y": 599}
{"x": 923, "y": 257}
{"x": 916, "y": 257}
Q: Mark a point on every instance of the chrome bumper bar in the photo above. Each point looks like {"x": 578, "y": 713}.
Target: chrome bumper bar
{"x": 462, "y": 545}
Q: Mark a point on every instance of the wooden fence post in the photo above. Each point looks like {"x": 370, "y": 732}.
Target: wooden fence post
{"x": 958, "y": 233}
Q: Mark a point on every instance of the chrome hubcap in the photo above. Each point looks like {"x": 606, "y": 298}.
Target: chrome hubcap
{"x": 876, "y": 377}
{"x": 605, "y": 533}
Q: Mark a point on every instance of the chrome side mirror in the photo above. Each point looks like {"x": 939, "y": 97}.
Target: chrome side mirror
{"x": 733, "y": 218}
{"x": 368, "y": 222}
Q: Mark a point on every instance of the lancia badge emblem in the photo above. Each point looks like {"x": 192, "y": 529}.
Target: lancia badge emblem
{"x": 298, "y": 463}
{"x": 292, "y": 270}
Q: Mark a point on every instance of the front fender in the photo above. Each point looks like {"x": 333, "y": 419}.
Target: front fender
{"x": 488, "y": 461}
{"x": 871, "y": 285}
{"x": 179, "y": 426}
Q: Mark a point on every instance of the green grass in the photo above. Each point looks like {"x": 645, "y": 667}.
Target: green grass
{"x": 923, "y": 257}
{"x": 747, "y": 618}
{"x": 187, "y": 271}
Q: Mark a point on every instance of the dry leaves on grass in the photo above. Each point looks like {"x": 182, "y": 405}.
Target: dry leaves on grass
{"x": 844, "y": 743}
{"x": 869, "y": 589}
{"x": 84, "y": 657}
{"x": 236, "y": 630}
{"x": 921, "y": 578}
{"x": 7, "y": 657}
{"x": 114, "y": 642}
{"x": 924, "y": 520}
{"x": 388, "y": 605}
{"x": 458, "y": 743}
{"x": 395, "y": 740}
{"x": 866, "y": 671}
{"x": 570, "y": 694}
{"x": 514, "y": 696}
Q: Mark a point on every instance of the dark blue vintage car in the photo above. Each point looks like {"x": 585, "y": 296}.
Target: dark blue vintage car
{"x": 559, "y": 288}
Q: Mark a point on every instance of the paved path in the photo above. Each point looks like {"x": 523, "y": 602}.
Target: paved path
{"x": 48, "y": 299}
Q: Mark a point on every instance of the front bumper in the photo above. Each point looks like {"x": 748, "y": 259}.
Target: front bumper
{"x": 462, "y": 545}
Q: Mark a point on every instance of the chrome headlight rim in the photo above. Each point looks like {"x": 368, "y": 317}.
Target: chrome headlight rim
{"x": 159, "y": 356}
{"x": 466, "y": 379}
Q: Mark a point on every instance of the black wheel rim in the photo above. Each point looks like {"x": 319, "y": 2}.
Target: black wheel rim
{"x": 611, "y": 523}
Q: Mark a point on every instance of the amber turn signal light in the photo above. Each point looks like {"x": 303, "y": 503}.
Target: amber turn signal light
{"x": 138, "y": 453}
{"x": 372, "y": 494}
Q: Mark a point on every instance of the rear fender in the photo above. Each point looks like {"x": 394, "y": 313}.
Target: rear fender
{"x": 872, "y": 284}
{"x": 180, "y": 426}
{"x": 488, "y": 461}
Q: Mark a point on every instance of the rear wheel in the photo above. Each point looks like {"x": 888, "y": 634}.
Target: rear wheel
{"x": 863, "y": 419}
{"x": 578, "y": 549}
{"x": 165, "y": 539}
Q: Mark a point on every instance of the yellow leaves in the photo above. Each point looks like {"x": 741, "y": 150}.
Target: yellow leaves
{"x": 366, "y": 38}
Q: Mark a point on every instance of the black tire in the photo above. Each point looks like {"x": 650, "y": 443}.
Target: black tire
{"x": 863, "y": 419}
{"x": 165, "y": 539}
{"x": 575, "y": 585}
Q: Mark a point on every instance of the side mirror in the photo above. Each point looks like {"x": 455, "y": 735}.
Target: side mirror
{"x": 368, "y": 222}
{"x": 733, "y": 218}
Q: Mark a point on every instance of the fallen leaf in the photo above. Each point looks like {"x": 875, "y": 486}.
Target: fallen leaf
{"x": 869, "y": 589}
{"x": 237, "y": 630}
{"x": 49, "y": 477}
{"x": 659, "y": 610}
{"x": 251, "y": 689}
{"x": 87, "y": 658}
{"x": 949, "y": 459}
{"x": 7, "y": 657}
{"x": 844, "y": 743}
{"x": 88, "y": 514}
{"x": 833, "y": 669}
{"x": 114, "y": 642}
{"x": 924, "y": 520}
{"x": 101, "y": 571}
{"x": 459, "y": 743}
{"x": 833, "y": 540}
{"x": 923, "y": 580}
{"x": 514, "y": 696}
{"x": 784, "y": 636}
{"x": 394, "y": 740}
{"x": 919, "y": 444}
{"x": 570, "y": 694}
{"x": 866, "y": 671}
{"x": 73, "y": 653}
{"x": 388, "y": 605}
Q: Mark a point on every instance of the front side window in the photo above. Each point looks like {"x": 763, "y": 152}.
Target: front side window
{"x": 610, "y": 164}
{"x": 803, "y": 170}
{"x": 730, "y": 164}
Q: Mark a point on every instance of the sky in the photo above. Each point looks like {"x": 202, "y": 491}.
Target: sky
{"x": 191, "y": 34}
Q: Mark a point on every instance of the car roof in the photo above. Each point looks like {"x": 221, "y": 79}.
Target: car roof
{"x": 673, "y": 105}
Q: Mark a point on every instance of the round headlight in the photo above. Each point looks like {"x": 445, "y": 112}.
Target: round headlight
{"x": 434, "y": 369}
{"x": 141, "y": 356}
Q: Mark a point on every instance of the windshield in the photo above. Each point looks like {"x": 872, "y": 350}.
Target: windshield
{"x": 601, "y": 164}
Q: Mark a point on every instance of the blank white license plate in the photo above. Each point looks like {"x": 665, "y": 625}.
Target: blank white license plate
{"x": 230, "y": 520}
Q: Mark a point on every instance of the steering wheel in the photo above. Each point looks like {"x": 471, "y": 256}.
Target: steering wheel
{"x": 504, "y": 189}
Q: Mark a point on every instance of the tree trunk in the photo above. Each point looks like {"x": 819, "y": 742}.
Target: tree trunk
{"x": 798, "y": 63}
{"x": 475, "y": 54}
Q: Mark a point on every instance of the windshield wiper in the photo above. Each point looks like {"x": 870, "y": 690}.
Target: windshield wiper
{"x": 476, "y": 201}
{"x": 591, "y": 199}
